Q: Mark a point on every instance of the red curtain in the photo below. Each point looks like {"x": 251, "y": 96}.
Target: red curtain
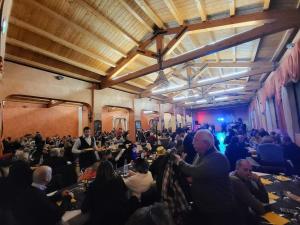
{"x": 288, "y": 71}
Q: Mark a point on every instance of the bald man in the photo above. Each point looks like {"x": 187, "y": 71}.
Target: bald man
{"x": 33, "y": 207}
{"x": 211, "y": 188}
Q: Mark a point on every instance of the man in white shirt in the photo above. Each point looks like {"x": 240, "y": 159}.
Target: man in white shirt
{"x": 85, "y": 146}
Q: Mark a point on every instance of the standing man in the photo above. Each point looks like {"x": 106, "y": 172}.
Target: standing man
{"x": 85, "y": 146}
{"x": 211, "y": 187}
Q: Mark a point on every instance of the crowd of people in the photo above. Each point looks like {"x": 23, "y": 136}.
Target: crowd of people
{"x": 175, "y": 178}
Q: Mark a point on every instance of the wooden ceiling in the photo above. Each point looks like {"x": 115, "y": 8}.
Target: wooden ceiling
{"x": 202, "y": 46}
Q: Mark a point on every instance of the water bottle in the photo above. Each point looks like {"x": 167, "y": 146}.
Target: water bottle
{"x": 41, "y": 160}
{"x": 125, "y": 168}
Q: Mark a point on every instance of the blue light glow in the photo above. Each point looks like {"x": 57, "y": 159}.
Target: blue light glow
{"x": 220, "y": 119}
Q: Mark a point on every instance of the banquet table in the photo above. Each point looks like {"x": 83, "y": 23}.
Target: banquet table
{"x": 277, "y": 185}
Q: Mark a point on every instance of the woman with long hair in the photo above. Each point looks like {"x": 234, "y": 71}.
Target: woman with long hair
{"x": 106, "y": 199}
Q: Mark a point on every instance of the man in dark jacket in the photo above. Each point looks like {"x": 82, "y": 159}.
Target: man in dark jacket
{"x": 249, "y": 191}
{"x": 33, "y": 207}
{"x": 291, "y": 152}
{"x": 211, "y": 187}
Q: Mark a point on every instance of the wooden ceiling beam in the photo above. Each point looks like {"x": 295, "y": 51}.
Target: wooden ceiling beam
{"x": 122, "y": 63}
{"x": 209, "y": 25}
{"x": 238, "y": 39}
{"x": 60, "y": 41}
{"x": 266, "y": 4}
{"x": 27, "y": 57}
{"x": 255, "y": 49}
{"x": 197, "y": 85}
{"x": 130, "y": 87}
{"x": 238, "y": 20}
{"x": 230, "y": 101}
{"x": 177, "y": 15}
{"x": 104, "y": 19}
{"x": 288, "y": 37}
{"x": 200, "y": 4}
{"x": 231, "y": 7}
{"x": 149, "y": 12}
{"x": 234, "y": 64}
{"x": 78, "y": 28}
{"x": 136, "y": 15}
{"x": 212, "y": 38}
{"x": 234, "y": 49}
{"x": 47, "y": 53}
{"x": 175, "y": 41}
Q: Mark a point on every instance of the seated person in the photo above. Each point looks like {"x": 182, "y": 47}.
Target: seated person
{"x": 248, "y": 189}
{"x": 55, "y": 161}
{"x": 157, "y": 168}
{"x": 106, "y": 199}
{"x": 291, "y": 152}
{"x": 234, "y": 151}
{"x": 141, "y": 180}
{"x": 269, "y": 153}
{"x": 19, "y": 178}
{"x": 118, "y": 139}
{"x": 33, "y": 207}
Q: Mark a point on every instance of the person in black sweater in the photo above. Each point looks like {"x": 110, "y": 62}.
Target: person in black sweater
{"x": 19, "y": 178}
{"x": 33, "y": 207}
{"x": 291, "y": 151}
{"x": 235, "y": 151}
{"x": 188, "y": 147}
{"x": 106, "y": 199}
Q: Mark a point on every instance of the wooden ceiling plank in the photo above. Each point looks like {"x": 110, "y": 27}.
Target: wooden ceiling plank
{"x": 136, "y": 15}
{"x": 77, "y": 27}
{"x": 38, "y": 50}
{"x": 44, "y": 66}
{"x": 237, "y": 21}
{"x": 103, "y": 18}
{"x": 149, "y": 12}
{"x": 201, "y": 8}
{"x": 240, "y": 38}
{"x": 266, "y": 4}
{"x": 177, "y": 15}
{"x": 60, "y": 41}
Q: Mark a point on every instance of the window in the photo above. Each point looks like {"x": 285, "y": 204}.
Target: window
{"x": 296, "y": 88}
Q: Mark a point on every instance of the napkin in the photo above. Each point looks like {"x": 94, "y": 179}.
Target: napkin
{"x": 275, "y": 219}
{"x": 265, "y": 181}
{"x": 272, "y": 196}
{"x": 282, "y": 178}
